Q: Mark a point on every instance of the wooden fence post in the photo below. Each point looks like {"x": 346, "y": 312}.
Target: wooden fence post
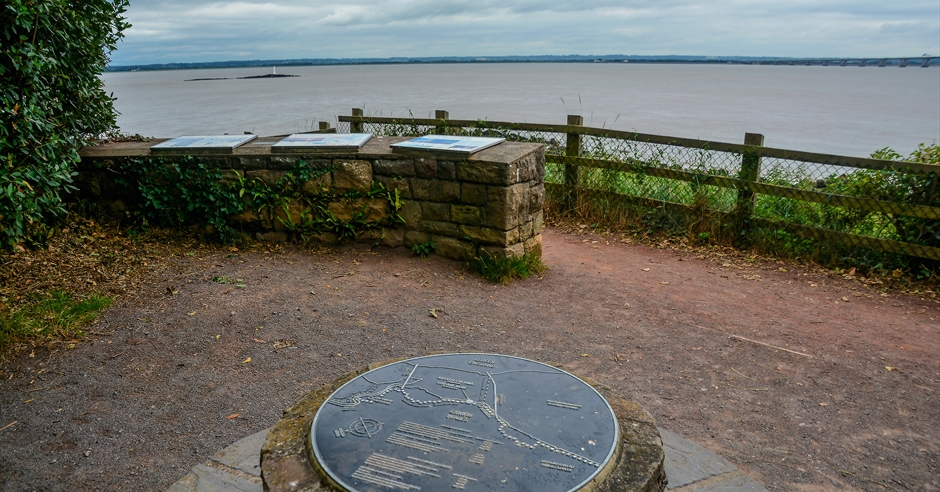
{"x": 441, "y": 116}
{"x": 356, "y": 126}
{"x": 572, "y": 149}
{"x": 750, "y": 172}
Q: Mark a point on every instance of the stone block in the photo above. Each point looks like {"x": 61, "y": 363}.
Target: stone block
{"x": 410, "y": 212}
{"x": 420, "y": 189}
{"x": 317, "y": 185}
{"x": 444, "y": 191}
{"x": 435, "y": 211}
{"x": 271, "y": 237}
{"x": 453, "y": 248}
{"x": 538, "y": 222}
{"x": 525, "y": 230}
{"x": 536, "y": 197}
{"x": 426, "y": 168}
{"x": 439, "y": 227}
{"x": 246, "y": 217}
{"x": 507, "y": 206}
{"x": 376, "y": 209}
{"x": 484, "y": 172}
{"x": 395, "y": 183}
{"x": 289, "y": 216}
{"x": 446, "y": 170}
{"x": 345, "y": 208}
{"x": 372, "y": 236}
{"x": 230, "y": 177}
{"x": 415, "y": 237}
{"x": 352, "y": 175}
{"x": 266, "y": 176}
{"x": 466, "y": 214}
{"x": 504, "y": 251}
{"x": 533, "y": 245}
{"x": 397, "y": 167}
{"x": 243, "y": 455}
{"x": 393, "y": 238}
{"x": 281, "y": 162}
{"x": 368, "y": 209}
{"x": 250, "y": 163}
{"x": 473, "y": 194}
{"x": 486, "y": 235}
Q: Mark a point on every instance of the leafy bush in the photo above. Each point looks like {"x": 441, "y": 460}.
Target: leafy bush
{"x": 51, "y": 100}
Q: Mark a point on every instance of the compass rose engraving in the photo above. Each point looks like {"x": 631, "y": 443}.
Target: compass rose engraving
{"x": 360, "y": 428}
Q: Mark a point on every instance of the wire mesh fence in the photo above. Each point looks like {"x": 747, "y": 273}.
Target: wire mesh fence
{"x": 721, "y": 190}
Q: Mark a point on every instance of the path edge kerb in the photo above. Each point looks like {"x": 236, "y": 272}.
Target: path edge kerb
{"x": 638, "y": 464}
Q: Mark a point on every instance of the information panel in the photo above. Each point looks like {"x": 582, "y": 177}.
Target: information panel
{"x": 322, "y": 141}
{"x": 447, "y": 143}
{"x": 464, "y": 421}
{"x": 203, "y": 142}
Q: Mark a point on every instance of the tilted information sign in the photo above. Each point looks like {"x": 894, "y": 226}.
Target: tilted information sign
{"x": 219, "y": 143}
{"x": 479, "y": 422}
{"x": 447, "y": 143}
{"x": 322, "y": 141}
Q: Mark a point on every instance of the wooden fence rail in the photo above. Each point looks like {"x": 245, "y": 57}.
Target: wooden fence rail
{"x": 574, "y": 156}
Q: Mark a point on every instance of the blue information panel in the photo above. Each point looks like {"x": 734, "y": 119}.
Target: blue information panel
{"x": 479, "y": 422}
{"x": 326, "y": 141}
{"x": 204, "y": 142}
{"x": 447, "y": 143}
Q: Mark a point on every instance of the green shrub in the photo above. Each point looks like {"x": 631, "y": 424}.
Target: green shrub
{"x": 51, "y": 100}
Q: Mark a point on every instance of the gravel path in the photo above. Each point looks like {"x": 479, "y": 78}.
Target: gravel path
{"x": 803, "y": 381}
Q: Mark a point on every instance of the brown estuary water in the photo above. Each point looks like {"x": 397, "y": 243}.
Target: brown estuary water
{"x": 837, "y": 110}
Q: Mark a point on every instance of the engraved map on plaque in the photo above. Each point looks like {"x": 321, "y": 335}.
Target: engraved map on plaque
{"x": 478, "y": 422}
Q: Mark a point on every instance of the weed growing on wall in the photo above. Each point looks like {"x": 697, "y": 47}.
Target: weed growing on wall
{"x": 504, "y": 270}
{"x": 190, "y": 191}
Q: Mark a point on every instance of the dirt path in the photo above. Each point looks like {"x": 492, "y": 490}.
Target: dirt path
{"x": 850, "y": 404}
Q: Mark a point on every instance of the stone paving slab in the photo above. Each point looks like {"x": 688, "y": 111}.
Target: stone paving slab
{"x": 689, "y": 468}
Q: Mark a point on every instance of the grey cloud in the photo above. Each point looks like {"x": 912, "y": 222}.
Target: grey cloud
{"x": 200, "y": 30}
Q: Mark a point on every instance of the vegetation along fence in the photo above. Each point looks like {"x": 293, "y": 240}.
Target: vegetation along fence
{"x": 848, "y": 206}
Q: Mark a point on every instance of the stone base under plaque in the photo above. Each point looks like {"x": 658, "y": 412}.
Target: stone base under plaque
{"x": 287, "y": 462}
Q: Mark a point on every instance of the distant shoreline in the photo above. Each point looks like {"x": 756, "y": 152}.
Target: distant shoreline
{"x": 695, "y": 60}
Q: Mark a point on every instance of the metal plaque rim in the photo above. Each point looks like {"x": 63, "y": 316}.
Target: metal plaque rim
{"x": 341, "y": 482}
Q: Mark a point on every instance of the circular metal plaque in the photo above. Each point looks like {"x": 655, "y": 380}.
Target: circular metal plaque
{"x": 464, "y": 421}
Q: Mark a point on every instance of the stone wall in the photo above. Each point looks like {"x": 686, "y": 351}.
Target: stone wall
{"x": 490, "y": 201}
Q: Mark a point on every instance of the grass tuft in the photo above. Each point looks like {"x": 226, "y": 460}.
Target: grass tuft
{"x": 505, "y": 270}
{"x": 57, "y": 314}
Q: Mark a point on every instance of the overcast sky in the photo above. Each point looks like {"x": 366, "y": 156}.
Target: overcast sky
{"x": 206, "y": 30}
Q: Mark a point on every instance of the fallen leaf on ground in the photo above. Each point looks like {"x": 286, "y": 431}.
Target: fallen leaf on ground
{"x": 172, "y": 290}
{"x": 585, "y": 355}
{"x": 433, "y": 311}
{"x": 645, "y": 269}
{"x": 191, "y": 314}
{"x": 232, "y": 416}
{"x": 259, "y": 340}
{"x": 246, "y": 360}
{"x": 279, "y": 344}
{"x": 846, "y": 299}
{"x": 665, "y": 283}
{"x": 889, "y": 368}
